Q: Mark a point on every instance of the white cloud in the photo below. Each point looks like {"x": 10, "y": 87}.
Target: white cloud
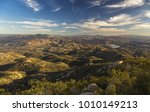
{"x": 33, "y": 4}
{"x": 45, "y": 23}
{"x": 141, "y": 26}
{"x": 113, "y": 24}
{"x": 64, "y": 24}
{"x": 119, "y": 20}
{"x": 123, "y": 20}
{"x": 37, "y": 23}
{"x": 47, "y": 31}
{"x": 147, "y": 14}
{"x": 97, "y": 26}
{"x": 127, "y": 4}
{"x": 32, "y": 27}
{"x": 112, "y": 30}
{"x": 95, "y": 2}
{"x": 123, "y": 23}
{"x": 38, "y": 26}
{"x": 71, "y": 27}
{"x": 57, "y": 9}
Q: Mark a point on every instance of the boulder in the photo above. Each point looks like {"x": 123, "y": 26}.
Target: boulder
{"x": 92, "y": 87}
{"x": 74, "y": 91}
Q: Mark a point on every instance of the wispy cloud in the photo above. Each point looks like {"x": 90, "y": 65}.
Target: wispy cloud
{"x": 37, "y": 23}
{"x": 98, "y": 26}
{"x": 94, "y": 3}
{"x": 127, "y": 4}
{"x": 47, "y": 31}
{"x": 71, "y": 27}
{"x": 122, "y": 20}
{"x": 57, "y": 9}
{"x": 117, "y": 20}
{"x": 33, "y": 4}
{"x": 141, "y": 26}
{"x": 123, "y": 23}
{"x": 45, "y": 23}
{"x": 144, "y": 24}
{"x": 32, "y": 27}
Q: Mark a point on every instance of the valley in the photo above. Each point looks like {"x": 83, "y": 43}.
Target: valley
{"x": 67, "y": 65}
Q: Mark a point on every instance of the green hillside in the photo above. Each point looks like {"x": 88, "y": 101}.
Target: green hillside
{"x": 74, "y": 65}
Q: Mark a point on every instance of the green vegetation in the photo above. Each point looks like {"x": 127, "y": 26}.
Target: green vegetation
{"x": 56, "y": 66}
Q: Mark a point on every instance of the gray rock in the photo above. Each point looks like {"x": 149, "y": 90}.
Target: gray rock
{"x": 74, "y": 91}
{"x": 92, "y": 87}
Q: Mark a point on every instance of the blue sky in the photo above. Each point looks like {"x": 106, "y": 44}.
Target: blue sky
{"x": 98, "y": 17}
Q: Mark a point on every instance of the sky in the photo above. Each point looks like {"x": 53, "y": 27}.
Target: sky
{"x": 75, "y": 17}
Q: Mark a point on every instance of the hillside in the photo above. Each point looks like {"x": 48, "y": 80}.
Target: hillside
{"x": 44, "y": 64}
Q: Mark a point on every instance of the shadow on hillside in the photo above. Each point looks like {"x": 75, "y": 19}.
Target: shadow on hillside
{"x": 80, "y": 73}
{"x": 20, "y": 84}
{"x": 6, "y": 66}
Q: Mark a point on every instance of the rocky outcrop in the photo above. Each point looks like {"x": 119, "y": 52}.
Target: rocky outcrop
{"x": 91, "y": 89}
